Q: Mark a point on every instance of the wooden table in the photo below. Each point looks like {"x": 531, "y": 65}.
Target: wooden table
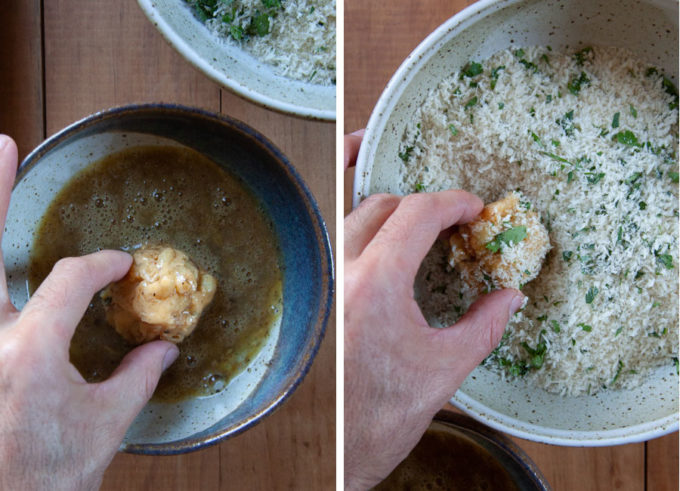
{"x": 61, "y": 60}
{"x": 378, "y": 37}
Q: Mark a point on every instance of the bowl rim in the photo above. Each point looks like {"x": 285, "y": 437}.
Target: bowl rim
{"x": 191, "y": 56}
{"x": 467, "y": 424}
{"x": 326, "y": 297}
{"x": 377, "y": 123}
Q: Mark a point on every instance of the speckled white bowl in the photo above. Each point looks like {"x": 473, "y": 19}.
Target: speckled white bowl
{"x": 235, "y": 69}
{"x": 648, "y": 28}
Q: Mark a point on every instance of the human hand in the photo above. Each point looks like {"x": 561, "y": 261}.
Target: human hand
{"x": 56, "y": 430}
{"x": 399, "y": 371}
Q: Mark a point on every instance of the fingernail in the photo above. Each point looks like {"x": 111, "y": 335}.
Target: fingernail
{"x": 516, "y": 304}
{"x": 170, "y": 357}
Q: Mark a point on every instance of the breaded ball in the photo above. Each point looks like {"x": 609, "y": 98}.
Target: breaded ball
{"x": 161, "y": 297}
{"x": 503, "y": 248}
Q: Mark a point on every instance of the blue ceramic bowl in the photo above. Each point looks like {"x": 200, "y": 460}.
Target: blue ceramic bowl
{"x": 163, "y": 428}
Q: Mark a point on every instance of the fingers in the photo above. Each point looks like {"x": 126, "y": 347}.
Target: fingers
{"x": 479, "y": 331}
{"x": 409, "y": 232}
{"x": 8, "y": 171}
{"x": 134, "y": 381}
{"x": 363, "y": 223}
{"x": 60, "y": 302}
{"x": 352, "y": 144}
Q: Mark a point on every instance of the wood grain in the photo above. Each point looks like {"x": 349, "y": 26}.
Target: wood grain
{"x": 662, "y": 463}
{"x": 374, "y": 49}
{"x": 21, "y": 76}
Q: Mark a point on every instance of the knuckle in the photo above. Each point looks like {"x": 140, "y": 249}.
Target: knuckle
{"x": 71, "y": 266}
{"x": 381, "y": 201}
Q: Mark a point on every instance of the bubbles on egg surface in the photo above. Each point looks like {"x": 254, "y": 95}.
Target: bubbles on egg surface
{"x": 213, "y": 383}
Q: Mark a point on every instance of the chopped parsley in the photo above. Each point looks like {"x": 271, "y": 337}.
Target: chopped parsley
{"x": 673, "y": 175}
{"x": 595, "y": 178}
{"x": 406, "y": 154}
{"x": 566, "y": 122}
{"x": 566, "y": 255}
{"x": 555, "y": 326}
{"x": 453, "y": 130}
{"x": 627, "y": 137}
{"x": 419, "y": 187}
{"x": 537, "y": 354}
{"x": 591, "y": 294}
{"x": 585, "y": 327}
{"x": 494, "y": 76}
{"x": 511, "y": 236}
{"x": 618, "y": 372}
{"x": 666, "y": 260}
{"x": 471, "y": 103}
{"x": 472, "y": 69}
{"x": 615, "y": 121}
{"x": 633, "y": 111}
{"x": 577, "y": 83}
{"x": 583, "y": 55}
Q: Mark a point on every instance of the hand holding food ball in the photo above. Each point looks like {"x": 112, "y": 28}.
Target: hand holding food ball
{"x": 399, "y": 371}
{"x": 161, "y": 297}
{"x": 56, "y": 430}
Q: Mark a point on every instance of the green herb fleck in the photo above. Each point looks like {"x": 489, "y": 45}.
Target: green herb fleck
{"x": 453, "y": 130}
{"x": 642, "y": 205}
{"x": 618, "y": 331}
{"x": 494, "y": 76}
{"x": 536, "y": 138}
{"x": 529, "y": 65}
{"x": 615, "y": 121}
{"x": 627, "y": 137}
{"x": 472, "y": 69}
{"x": 633, "y": 111}
{"x": 674, "y": 176}
{"x": 419, "y": 187}
{"x": 595, "y": 178}
{"x": 236, "y": 32}
{"x": 576, "y": 84}
{"x": 406, "y": 154}
{"x": 511, "y": 236}
{"x": 259, "y": 25}
{"x": 666, "y": 260}
{"x": 591, "y": 294}
{"x": 471, "y": 103}
{"x": 585, "y": 327}
{"x": 583, "y": 55}
{"x": 618, "y": 372}
{"x": 555, "y": 326}
{"x": 566, "y": 255}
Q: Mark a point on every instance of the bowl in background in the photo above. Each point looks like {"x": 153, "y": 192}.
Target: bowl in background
{"x": 234, "y": 68}
{"x": 272, "y": 375}
{"x": 649, "y": 29}
{"x": 458, "y": 452}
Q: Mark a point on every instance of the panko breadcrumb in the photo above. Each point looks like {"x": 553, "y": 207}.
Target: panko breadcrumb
{"x": 161, "y": 297}
{"x": 503, "y": 248}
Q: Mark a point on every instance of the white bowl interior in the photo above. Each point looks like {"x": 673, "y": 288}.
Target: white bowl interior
{"x": 158, "y": 422}
{"x": 649, "y": 29}
{"x": 234, "y": 68}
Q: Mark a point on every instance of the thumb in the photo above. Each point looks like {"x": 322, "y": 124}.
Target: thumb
{"x": 134, "y": 381}
{"x": 479, "y": 331}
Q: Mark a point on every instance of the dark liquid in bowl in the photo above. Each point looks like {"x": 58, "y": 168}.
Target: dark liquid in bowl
{"x": 448, "y": 461}
{"x": 177, "y": 197}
